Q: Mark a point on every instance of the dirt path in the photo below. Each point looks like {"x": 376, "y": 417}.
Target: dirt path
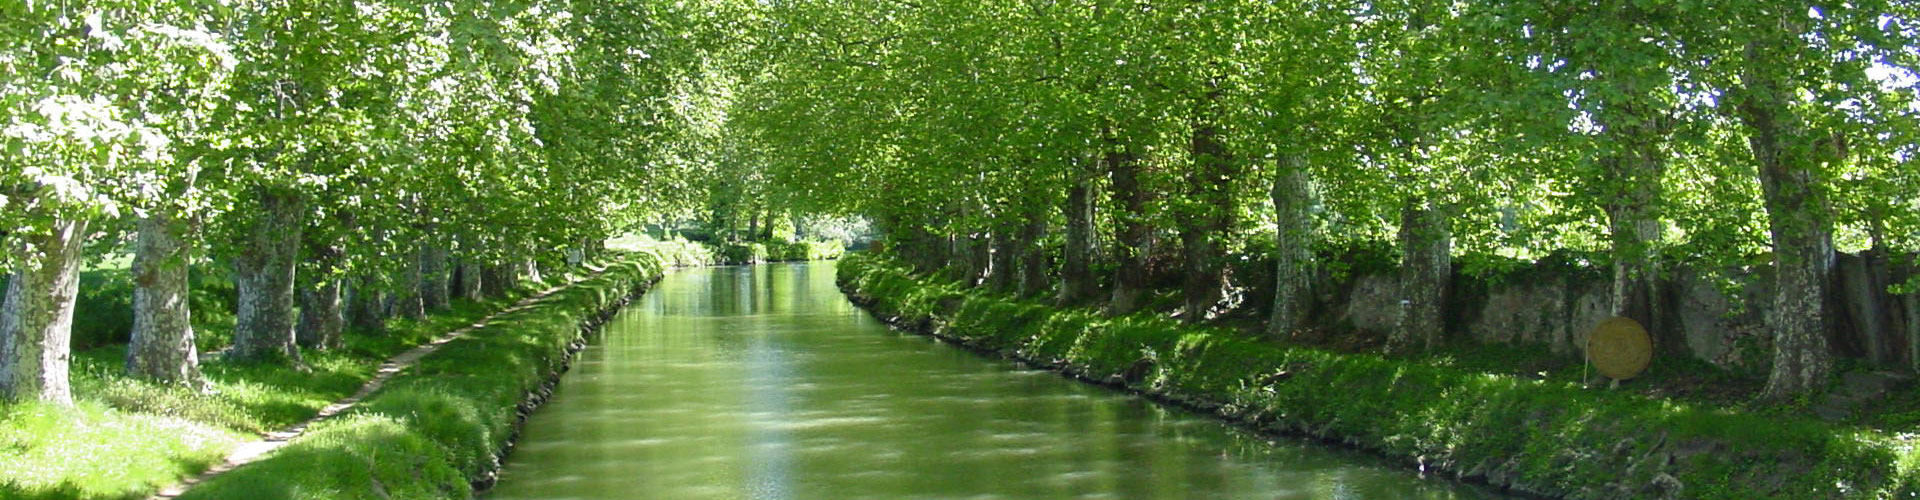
{"x": 253, "y": 451}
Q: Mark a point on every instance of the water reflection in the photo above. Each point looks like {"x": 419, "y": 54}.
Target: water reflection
{"x": 763, "y": 382}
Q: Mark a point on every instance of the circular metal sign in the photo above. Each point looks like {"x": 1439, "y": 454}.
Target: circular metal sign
{"x": 1620, "y": 348}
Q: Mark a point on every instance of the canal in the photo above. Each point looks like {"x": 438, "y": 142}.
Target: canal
{"x": 764, "y": 382}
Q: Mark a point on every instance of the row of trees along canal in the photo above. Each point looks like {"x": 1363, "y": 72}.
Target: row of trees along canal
{"x": 1076, "y": 147}
{"x": 1082, "y": 147}
{"x": 381, "y": 146}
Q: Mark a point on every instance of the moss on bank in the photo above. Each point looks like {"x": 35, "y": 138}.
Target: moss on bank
{"x": 1534, "y": 436}
{"x": 438, "y": 429}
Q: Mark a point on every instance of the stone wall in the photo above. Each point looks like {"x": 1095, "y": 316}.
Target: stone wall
{"x": 1717, "y": 319}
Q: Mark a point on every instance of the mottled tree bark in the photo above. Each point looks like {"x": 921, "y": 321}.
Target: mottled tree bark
{"x": 1033, "y": 254}
{"x": 1210, "y": 210}
{"x": 1293, "y": 266}
{"x": 366, "y": 306}
{"x": 405, "y": 296}
{"x": 978, "y": 248}
{"x": 36, "y": 321}
{"x": 1136, "y": 235}
{"x": 1426, "y": 267}
{"x": 1005, "y": 247}
{"x": 321, "y": 316}
{"x": 530, "y": 271}
{"x": 499, "y": 281}
{"x": 434, "y": 275}
{"x": 753, "y": 224}
{"x": 264, "y": 277}
{"x": 1633, "y": 180}
{"x": 1077, "y": 284}
{"x": 162, "y": 348}
{"x": 1912, "y": 301}
{"x": 937, "y": 253}
{"x": 470, "y": 279}
{"x": 1797, "y": 217}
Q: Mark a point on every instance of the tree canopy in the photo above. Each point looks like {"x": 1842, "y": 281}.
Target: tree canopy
{"x": 389, "y": 145}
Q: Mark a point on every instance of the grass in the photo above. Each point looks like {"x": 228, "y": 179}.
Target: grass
{"x": 92, "y": 450}
{"x": 1542, "y": 433}
{"x": 431, "y": 431}
{"x": 126, "y": 438}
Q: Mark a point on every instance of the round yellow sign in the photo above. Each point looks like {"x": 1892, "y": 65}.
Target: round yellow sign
{"x": 1620, "y": 348}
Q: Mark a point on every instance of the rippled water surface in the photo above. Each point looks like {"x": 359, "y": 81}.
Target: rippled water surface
{"x": 764, "y": 382}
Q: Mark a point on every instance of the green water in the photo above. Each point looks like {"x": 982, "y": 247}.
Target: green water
{"x": 764, "y": 382}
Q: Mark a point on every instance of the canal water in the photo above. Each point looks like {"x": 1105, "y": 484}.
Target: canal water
{"x": 764, "y": 382}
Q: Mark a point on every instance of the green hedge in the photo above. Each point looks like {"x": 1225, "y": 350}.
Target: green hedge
{"x": 1544, "y": 438}
{"x": 779, "y": 251}
{"x": 431, "y": 431}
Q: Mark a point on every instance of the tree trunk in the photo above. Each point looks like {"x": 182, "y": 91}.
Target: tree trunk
{"x": 162, "y": 348}
{"x": 1634, "y": 173}
{"x": 1426, "y": 267}
{"x": 1209, "y": 185}
{"x": 407, "y": 302}
{"x": 1636, "y": 266}
{"x": 264, "y": 273}
{"x": 434, "y": 276}
{"x": 1005, "y": 249}
{"x": 1033, "y": 255}
{"x": 979, "y": 257}
{"x": 1293, "y": 265}
{"x": 499, "y": 280}
{"x": 1076, "y": 267}
{"x": 321, "y": 317}
{"x": 1136, "y": 236}
{"x": 1797, "y": 217}
{"x": 1200, "y": 286}
{"x": 1912, "y": 300}
{"x": 366, "y": 308}
{"x": 36, "y": 322}
{"x": 938, "y": 253}
{"x": 470, "y": 279}
{"x": 530, "y": 271}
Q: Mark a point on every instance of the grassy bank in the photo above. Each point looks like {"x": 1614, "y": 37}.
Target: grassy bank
{"x": 126, "y": 438}
{"x": 439, "y": 427}
{"x": 1535, "y": 436}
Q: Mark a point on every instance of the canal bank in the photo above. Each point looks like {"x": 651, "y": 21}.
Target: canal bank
{"x": 439, "y": 429}
{"x": 1525, "y": 436}
{"x": 765, "y": 382}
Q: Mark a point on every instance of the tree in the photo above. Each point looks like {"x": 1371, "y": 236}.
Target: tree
{"x": 91, "y": 94}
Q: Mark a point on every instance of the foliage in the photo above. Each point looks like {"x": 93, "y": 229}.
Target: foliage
{"x": 780, "y": 251}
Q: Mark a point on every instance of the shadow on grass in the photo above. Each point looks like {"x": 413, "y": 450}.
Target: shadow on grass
{"x": 63, "y": 491}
